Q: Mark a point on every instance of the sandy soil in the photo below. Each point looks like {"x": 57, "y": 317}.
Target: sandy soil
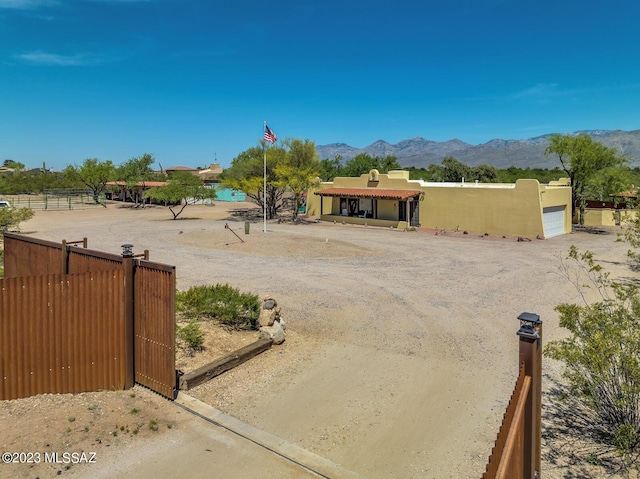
{"x": 401, "y": 350}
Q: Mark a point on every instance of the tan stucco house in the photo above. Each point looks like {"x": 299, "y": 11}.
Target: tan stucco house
{"x": 525, "y": 208}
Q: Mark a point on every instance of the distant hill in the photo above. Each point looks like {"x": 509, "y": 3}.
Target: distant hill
{"x": 420, "y": 152}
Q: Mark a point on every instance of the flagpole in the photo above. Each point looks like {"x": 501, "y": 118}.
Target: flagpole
{"x": 264, "y": 178}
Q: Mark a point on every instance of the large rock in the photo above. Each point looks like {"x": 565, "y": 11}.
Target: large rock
{"x": 267, "y": 317}
{"x": 269, "y": 303}
{"x": 273, "y": 332}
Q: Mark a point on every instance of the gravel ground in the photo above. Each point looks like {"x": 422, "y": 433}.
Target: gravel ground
{"x": 401, "y": 350}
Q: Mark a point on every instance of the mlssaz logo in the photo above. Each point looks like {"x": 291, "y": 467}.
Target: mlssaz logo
{"x": 71, "y": 457}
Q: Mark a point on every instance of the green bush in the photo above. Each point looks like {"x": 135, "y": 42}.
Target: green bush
{"x": 222, "y": 303}
{"x": 602, "y": 354}
{"x": 10, "y": 218}
{"x": 192, "y": 335}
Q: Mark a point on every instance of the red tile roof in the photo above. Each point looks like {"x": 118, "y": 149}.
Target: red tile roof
{"x": 380, "y": 193}
{"x": 626, "y": 194}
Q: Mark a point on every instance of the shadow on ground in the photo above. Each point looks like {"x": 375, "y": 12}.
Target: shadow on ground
{"x": 574, "y": 441}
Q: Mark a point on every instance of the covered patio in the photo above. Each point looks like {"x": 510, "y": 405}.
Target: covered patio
{"x": 373, "y": 206}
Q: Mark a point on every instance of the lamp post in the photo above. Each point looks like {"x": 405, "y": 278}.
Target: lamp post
{"x": 530, "y": 354}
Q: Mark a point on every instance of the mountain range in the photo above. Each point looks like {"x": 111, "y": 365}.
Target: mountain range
{"x": 420, "y": 152}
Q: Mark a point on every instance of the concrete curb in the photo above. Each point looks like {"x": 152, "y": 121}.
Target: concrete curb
{"x": 308, "y": 460}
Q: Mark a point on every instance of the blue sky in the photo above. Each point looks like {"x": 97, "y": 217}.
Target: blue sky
{"x": 191, "y": 82}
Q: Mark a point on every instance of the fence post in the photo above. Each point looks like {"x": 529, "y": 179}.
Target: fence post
{"x": 530, "y": 334}
{"x": 128, "y": 265}
{"x": 65, "y": 257}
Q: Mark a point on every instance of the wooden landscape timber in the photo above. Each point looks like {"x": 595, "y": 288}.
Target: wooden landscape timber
{"x": 225, "y": 363}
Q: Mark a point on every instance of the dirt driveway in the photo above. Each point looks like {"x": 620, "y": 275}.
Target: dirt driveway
{"x": 401, "y": 350}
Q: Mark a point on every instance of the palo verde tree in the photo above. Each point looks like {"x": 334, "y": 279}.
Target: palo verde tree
{"x": 291, "y": 166}
{"x": 247, "y": 174}
{"x": 182, "y": 189}
{"x": 93, "y": 174}
{"x": 299, "y": 169}
{"x": 589, "y": 164}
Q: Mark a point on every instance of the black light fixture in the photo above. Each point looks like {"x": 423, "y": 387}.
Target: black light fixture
{"x": 127, "y": 250}
{"x": 528, "y": 325}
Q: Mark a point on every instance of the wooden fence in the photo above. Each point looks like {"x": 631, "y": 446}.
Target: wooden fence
{"x": 75, "y": 320}
{"x": 516, "y": 454}
{"x": 52, "y": 343}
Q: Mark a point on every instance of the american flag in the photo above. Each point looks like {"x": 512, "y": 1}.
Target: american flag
{"x": 269, "y": 135}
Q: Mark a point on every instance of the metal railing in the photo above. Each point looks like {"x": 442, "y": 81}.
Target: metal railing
{"x": 57, "y": 200}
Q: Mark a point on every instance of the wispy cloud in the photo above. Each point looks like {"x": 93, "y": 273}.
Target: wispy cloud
{"x": 53, "y": 59}
{"x": 26, "y": 4}
{"x": 540, "y": 90}
{"x": 32, "y": 4}
{"x": 543, "y": 93}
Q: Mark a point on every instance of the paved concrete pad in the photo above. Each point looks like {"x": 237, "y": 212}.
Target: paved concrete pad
{"x": 307, "y": 461}
{"x": 209, "y": 444}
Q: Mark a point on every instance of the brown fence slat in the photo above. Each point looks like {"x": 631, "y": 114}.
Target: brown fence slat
{"x": 26, "y": 256}
{"x": 81, "y": 260}
{"x": 507, "y": 421}
{"x": 53, "y": 343}
{"x": 512, "y": 461}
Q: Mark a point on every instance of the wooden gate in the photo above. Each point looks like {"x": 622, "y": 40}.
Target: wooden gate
{"x": 135, "y": 318}
{"x": 154, "y": 325}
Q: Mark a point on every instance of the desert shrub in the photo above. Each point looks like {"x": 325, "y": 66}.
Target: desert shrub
{"x": 10, "y": 218}
{"x": 631, "y": 234}
{"x": 191, "y": 335}
{"x": 602, "y": 355}
{"x": 222, "y": 303}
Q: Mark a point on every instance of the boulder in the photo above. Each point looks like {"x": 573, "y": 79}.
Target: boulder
{"x": 275, "y": 333}
{"x": 267, "y": 317}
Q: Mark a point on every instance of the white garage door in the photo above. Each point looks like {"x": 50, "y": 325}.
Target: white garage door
{"x": 553, "y": 219}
